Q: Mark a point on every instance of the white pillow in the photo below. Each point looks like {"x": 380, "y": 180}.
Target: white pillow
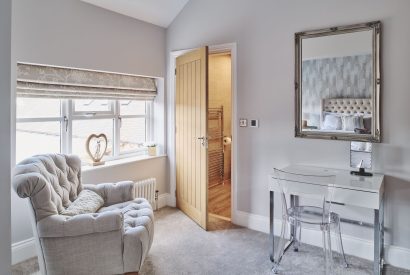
{"x": 352, "y": 122}
{"x": 332, "y": 122}
{"x": 87, "y": 202}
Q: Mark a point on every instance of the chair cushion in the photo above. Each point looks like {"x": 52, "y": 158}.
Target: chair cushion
{"x": 137, "y": 212}
{"x": 87, "y": 202}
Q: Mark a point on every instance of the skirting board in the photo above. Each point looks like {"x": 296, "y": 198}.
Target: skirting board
{"x": 172, "y": 201}
{"x": 26, "y": 249}
{"x": 164, "y": 200}
{"x": 394, "y": 255}
{"x": 22, "y": 251}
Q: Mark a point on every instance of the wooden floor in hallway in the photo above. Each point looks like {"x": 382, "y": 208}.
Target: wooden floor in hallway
{"x": 219, "y": 199}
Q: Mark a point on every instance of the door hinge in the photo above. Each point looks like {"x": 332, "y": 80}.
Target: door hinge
{"x": 175, "y": 71}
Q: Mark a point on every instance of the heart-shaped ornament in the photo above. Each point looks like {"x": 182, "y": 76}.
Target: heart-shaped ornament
{"x": 96, "y": 146}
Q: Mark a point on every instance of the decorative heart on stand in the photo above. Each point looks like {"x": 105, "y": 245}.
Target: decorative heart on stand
{"x": 96, "y": 146}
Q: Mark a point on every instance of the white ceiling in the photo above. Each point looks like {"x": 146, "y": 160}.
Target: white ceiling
{"x": 157, "y": 12}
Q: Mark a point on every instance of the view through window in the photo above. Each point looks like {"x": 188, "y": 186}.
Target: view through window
{"x": 52, "y": 126}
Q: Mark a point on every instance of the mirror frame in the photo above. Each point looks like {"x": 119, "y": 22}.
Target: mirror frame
{"x": 375, "y": 135}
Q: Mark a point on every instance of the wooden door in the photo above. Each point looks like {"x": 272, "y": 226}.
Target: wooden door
{"x": 191, "y": 120}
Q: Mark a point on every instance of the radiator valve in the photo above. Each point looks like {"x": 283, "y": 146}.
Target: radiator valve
{"x": 156, "y": 199}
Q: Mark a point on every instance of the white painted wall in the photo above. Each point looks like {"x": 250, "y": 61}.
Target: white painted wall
{"x": 5, "y": 139}
{"x": 137, "y": 170}
{"x": 264, "y": 33}
{"x": 75, "y": 34}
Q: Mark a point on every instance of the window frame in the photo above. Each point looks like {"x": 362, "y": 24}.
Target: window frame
{"x": 117, "y": 127}
{"x": 111, "y": 103}
{"x": 39, "y": 119}
{"x": 68, "y": 115}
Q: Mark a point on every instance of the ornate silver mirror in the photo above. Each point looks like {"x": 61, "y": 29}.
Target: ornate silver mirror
{"x": 337, "y": 82}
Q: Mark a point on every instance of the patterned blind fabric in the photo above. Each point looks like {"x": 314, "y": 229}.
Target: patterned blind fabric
{"x": 35, "y": 80}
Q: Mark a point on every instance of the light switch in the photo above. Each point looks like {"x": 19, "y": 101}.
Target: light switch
{"x": 254, "y": 123}
{"x": 243, "y": 122}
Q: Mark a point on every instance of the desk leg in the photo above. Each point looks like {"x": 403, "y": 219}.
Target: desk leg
{"x": 295, "y": 229}
{"x": 272, "y": 227}
{"x": 292, "y": 227}
{"x": 382, "y": 235}
{"x": 378, "y": 239}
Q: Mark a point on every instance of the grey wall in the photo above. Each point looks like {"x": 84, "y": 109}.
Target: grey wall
{"x": 76, "y": 34}
{"x": 264, "y": 32}
{"x": 5, "y": 140}
{"x": 73, "y": 33}
{"x": 138, "y": 170}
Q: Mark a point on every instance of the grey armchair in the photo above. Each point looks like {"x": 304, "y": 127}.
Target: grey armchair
{"x": 115, "y": 240}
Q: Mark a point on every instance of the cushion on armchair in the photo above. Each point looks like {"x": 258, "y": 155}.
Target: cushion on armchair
{"x": 113, "y": 193}
{"x": 86, "y": 202}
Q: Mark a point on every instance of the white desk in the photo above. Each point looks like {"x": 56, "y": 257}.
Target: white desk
{"x": 352, "y": 190}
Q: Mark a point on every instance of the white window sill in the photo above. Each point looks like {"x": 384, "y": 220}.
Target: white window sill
{"x": 118, "y": 162}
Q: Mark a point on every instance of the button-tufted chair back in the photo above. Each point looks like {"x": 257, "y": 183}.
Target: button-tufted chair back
{"x": 51, "y": 182}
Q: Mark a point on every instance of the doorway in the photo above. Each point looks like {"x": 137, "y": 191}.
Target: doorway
{"x": 181, "y": 87}
{"x": 219, "y": 135}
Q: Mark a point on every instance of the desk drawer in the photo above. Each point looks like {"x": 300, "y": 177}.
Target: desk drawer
{"x": 341, "y": 195}
{"x": 356, "y": 198}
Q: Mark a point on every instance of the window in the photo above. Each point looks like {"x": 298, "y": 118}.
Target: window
{"x": 92, "y": 106}
{"x": 51, "y": 126}
{"x": 133, "y": 125}
{"x": 38, "y": 127}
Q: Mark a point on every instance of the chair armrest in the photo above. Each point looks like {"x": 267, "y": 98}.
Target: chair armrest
{"x": 113, "y": 193}
{"x": 66, "y": 226}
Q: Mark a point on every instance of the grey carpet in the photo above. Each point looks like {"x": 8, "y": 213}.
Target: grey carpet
{"x": 29, "y": 267}
{"x": 182, "y": 247}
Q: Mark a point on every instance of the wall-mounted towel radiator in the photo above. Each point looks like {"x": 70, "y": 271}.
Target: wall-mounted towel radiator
{"x": 215, "y": 146}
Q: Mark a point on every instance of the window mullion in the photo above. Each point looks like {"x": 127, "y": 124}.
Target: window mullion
{"x": 63, "y": 134}
{"x": 148, "y": 121}
{"x": 85, "y": 117}
{"x": 134, "y": 116}
{"x": 117, "y": 128}
{"x": 38, "y": 119}
{"x": 69, "y": 132}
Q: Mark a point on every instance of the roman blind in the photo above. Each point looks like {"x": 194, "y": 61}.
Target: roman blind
{"x": 34, "y": 80}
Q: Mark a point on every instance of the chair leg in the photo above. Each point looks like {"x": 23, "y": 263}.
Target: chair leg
{"x": 324, "y": 245}
{"x": 281, "y": 247}
{"x": 297, "y": 236}
{"x": 339, "y": 241}
{"x": 329, "y": 251}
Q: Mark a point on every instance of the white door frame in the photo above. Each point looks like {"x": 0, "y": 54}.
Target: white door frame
{"x": 229, "y": 47}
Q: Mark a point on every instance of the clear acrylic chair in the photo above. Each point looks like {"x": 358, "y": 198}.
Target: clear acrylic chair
{"x": 321, "y": 189}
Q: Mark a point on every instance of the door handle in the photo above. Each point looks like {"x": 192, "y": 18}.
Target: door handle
{"x": 204, "y": 141}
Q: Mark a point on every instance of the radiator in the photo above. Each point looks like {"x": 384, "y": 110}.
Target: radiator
{"x": 147, "y": 189}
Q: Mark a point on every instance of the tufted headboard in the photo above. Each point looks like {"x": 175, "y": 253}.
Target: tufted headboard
{"x": 348, "y": 106}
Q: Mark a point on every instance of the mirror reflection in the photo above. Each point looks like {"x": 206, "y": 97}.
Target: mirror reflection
{"x": 337, "y": 83}
{"x": 361, "y": 155}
